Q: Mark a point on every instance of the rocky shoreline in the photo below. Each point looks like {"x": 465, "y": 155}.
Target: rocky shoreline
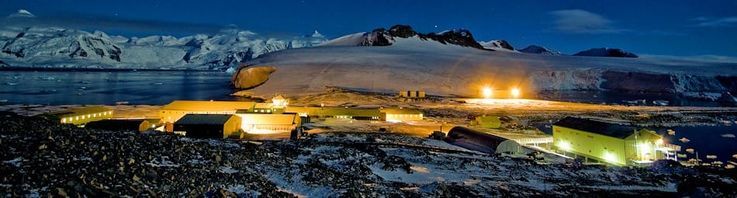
{"x": 43, "y": 158}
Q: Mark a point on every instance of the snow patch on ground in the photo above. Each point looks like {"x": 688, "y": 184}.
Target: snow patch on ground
{"x": 17, "y": 162}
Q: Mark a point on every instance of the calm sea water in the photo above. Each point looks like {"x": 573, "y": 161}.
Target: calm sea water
{"x": 98, "y": 87}
{"x": 706, "y": 140}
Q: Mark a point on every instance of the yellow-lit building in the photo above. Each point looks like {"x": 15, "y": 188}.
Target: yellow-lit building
{"x": 609, "y": 143}
{"x": 400, "y": 114}
{"x": 82, "y": 115}
{"x": 265, "y": 123}
{"x": 412, "y": 94}
{"x": 252, "y": 118}
{"x": 336, "y": 112}
{"x": 386, "y": 114}
{"x": 173, "y": 111}
{"x": 208, "y": 125}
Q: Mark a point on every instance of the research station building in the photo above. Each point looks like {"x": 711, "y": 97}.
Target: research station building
{"x": 208, "y": 125}
{"x": 610, "y": 143}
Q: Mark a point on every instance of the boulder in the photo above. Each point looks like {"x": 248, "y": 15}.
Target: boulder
{"x": 251, "y": 77}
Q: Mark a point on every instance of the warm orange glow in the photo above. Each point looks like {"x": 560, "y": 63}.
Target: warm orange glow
{"x": 515, "y": 92}
{"x": 486, "y": 92}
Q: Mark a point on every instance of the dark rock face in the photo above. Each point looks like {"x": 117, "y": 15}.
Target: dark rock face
{"x": 727, "y": 99}
{"x": 384, "y": 37}
{"x": 504, "y": 44}
{"x": 377, "y": 37}
{"x": 460, "y": 37}
{"x": 402, "y": 31}
{"x": 729, "y": 82}
{"x": 638, "y": 82}
{"x": 606, "y": 52}
{"x": 536, "y": 49}
{"x": 3, "y": 64}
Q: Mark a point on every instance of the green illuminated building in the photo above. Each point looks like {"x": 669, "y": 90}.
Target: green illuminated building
{"x": 607, "y": 142}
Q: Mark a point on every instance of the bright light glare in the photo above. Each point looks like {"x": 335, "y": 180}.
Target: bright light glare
{"x": 610, "y": 157}
{"x": 564, "y": 145}
{"x": 659, "y": 141}
{"x": 645, "y": 148}
{"x": 486, "y": 92}
{"x": 515, "y": 92}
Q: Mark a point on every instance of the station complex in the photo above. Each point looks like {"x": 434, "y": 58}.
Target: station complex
{"x": 593, "y": 140}
{"x": 237, "y": 119}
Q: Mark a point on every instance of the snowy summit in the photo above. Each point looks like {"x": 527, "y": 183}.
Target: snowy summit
{"x": 22, "y": 13}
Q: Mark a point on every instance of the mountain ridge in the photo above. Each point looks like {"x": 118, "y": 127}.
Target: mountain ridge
{"x": 61, "y": 47}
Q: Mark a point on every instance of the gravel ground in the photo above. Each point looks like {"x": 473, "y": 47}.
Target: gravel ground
{"x": 42, "y": 158}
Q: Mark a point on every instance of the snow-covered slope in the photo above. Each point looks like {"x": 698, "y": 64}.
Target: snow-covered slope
{"x": 59, "y": 47}
{"x": 416, "y": 64}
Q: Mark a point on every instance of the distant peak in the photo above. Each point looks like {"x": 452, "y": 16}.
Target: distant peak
{"x": 606, "y": 52}
{"x": 497, "y": 45}
{"x": 317, "y": 34}
{"x": 403, "y": 31}
{"x": 22, "y": 13}
{"x": 536, "y": 49}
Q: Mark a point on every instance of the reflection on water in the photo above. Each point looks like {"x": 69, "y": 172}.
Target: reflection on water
{"x": 135, "y": 87}
{"x": 706, "y": 140}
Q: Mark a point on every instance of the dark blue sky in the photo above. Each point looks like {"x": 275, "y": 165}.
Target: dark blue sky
{"x": 644, "y": 27}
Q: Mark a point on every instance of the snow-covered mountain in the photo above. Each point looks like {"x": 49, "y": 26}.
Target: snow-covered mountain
{"x": 22, "y": 14}
{"x": 418, "y": 63}
{"x": 384, "y": 37}
{"x": 536, "y": 49}
{"x": 60, "y": 47}
{"x": 498, "y": 45}
{"x": 606, "y": 52}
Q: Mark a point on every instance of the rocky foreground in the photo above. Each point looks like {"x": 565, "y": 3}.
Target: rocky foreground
{"x": 42, "y": 158}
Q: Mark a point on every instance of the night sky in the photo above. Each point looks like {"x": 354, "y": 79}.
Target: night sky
{"x": 681, "y": 28}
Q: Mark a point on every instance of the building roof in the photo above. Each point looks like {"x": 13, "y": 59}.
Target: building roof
{"x": 597, "y": 127}
{"x": 83, "y": 110}
{"x": 334, "y": 111}
{"x": 269, "y": 119}
{"x": 264, "y": 105}
{"x": 478, "y": 140}
{"x": 214, "y": 119}
{"x": 400, "y": 111}
{"x": 190, "y": 105}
